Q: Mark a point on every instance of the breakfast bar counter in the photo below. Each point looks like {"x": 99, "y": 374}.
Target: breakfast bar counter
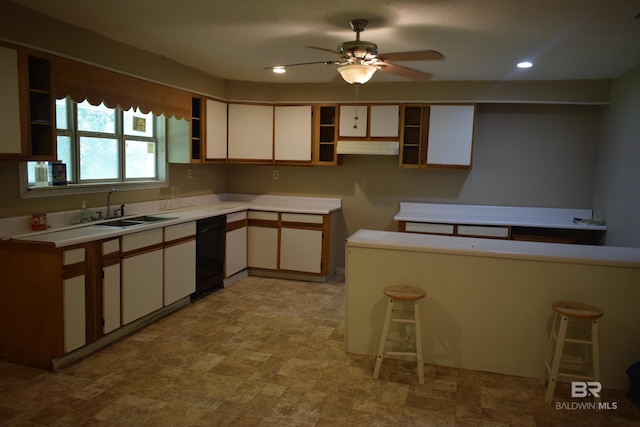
{"x": 488, "y": 304}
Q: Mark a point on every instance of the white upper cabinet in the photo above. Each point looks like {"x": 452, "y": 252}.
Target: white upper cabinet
{"x": 384, "y": 121}
{"x": 373, "y": 121}
{"x": 250, "y": 132}
{"x": 349, "y": 125}
{"x": 10, "y": 143}
{"x": 450, "y": 140}
{"x": 292, "y": 135}
{"x": 215, "y": 130}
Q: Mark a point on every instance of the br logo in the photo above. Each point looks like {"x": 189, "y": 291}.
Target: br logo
{"x": 585, "y": 388}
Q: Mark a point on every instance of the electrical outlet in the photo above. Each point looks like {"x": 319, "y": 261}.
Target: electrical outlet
{"x": 189, "y": 173}
{"x": 276, "y": 174}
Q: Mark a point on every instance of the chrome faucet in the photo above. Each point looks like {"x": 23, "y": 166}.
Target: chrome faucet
{"x": 113, "y": 190}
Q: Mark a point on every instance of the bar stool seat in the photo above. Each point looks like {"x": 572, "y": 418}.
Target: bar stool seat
{"x": 402, "y": 293}
{"x": 565, "y": 312}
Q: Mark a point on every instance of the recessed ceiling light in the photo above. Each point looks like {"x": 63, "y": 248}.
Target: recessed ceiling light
{"x": 280, "y": 69}
{"x": 525, "y": 64}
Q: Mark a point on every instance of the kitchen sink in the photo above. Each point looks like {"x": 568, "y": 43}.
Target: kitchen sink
{"x": 121, "y": 223}
{"x": 138, "y": 220}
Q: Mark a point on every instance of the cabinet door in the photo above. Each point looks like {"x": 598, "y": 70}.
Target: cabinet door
{"x": 10, "y": 143}
{"x": 262, "y": 240}
{"x": 292, "y": 133}
{"x": 250, "y": 132}
{"x": 301, "y": 250}
{"x": 75, "y": 329}
{"x": 216, "y": 130}
{"x": 236, "y": 251}
{"x": 349, "y": 125}
{"x": 179, "y": 271}
{"x": 111, "y": 298}
{"x": 450, "y": 141}
{"x": 141, "y": 285}
{"x": 384, "y": 121}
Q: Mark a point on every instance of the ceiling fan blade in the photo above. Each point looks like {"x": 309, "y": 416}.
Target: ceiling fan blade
{"x": 423, "y": 55}
{"x": 335, "y": 52}
{"x": 303, "y": 63}
{"x": 407, "y": 73}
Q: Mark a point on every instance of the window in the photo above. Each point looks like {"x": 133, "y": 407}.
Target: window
{"x": 102, "y": 145}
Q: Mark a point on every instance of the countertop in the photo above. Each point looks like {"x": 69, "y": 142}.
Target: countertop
{"x": 554, "y": 252}
{"x": 495, "y": 215}
{"x": 82, "y": 233}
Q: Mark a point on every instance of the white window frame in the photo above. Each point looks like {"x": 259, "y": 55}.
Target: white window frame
{"x": 100, "y": 186}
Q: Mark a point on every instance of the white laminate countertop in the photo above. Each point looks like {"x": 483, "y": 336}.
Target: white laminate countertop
{"x": 495, "y": 215}
{"x": 82, "y": 233}
{"x": 550, "y": 252}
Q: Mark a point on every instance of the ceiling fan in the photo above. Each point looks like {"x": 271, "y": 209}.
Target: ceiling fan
{"x": 359, "y": 59}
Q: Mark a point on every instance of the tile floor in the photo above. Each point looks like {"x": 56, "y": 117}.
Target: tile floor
{"x": 268, "y": 352}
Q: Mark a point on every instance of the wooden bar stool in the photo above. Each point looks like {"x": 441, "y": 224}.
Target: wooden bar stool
{"x": 402, "y": 293}
{"x": 565, "y": 312}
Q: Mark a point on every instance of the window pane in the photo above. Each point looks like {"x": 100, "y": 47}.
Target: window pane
{"x": 64, "y": 154}
{"x": 140, "y": 159}
{"x": 62, "y": 114}
{"x": 98, "y": 158}
{"x": 94, "y": 118}
{"x": 136, "y": 123}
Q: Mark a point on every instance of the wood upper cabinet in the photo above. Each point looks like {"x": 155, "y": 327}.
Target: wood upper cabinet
{"x": 369, "y": 121}
{"x": 250, "y": 133}
{"x": 27, "y": 106}
{"x": 11, "y": 142}
{"x": 292, "y": 133}
{"x": 437, "y": 136}
{"x": 325, "y": 135}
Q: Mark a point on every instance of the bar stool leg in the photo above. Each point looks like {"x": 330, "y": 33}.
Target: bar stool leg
{"x": 416, "y": 310}
{"x": 383, "y": 339}
{"x": 595, "y": 354}
{"x": 557, "y": 357}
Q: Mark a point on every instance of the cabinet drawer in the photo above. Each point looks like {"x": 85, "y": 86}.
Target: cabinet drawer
{"x": 425, "y": 227}
{"x": 267, "y": 216}
{"x": 236, "y": 216}
{"x": 142, "y": 239}
{"x": 73, "y": 256}
{"x": 482, "y": 231}
{"x": 175, "y": 232}
{"x": 110, "y": 246}
{"x": 304, "y": 218}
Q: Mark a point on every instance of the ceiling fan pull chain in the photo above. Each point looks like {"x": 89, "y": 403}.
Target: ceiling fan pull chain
{"x": 355, "y": 118}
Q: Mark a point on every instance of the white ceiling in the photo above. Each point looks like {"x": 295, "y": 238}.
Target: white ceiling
{"x": 481, "y": 39}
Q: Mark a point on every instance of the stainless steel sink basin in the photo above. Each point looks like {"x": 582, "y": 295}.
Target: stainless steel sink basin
{"x": 121, "y": 223}
{"x": 138, "y": 220}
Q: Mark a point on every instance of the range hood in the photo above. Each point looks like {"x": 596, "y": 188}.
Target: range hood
{"x": 386, "y": 148}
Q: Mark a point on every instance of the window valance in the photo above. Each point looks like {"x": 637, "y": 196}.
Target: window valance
{"x": 82, "y": 81}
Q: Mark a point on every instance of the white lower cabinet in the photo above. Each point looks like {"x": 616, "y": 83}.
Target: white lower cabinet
{"x": 262, "y": 240}
{"x": 301, "y": 250}
{"x": 236, "y": 244}
{"x": 74, "y": 313}
{"x": 179, "y": 262}
{"x": 142, "y": 274}
{"x": 111, "y": 315}
{"x": 75, "y": 324}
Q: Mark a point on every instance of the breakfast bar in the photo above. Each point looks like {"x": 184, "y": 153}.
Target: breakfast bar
{"x": 488, "y": 303}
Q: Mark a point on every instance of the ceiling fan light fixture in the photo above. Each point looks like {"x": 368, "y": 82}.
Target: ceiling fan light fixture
{"x": 357, "y": 73}
{"x": 279, "y": 69}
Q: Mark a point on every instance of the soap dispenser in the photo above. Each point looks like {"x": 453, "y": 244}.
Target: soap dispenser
{"x": 84, "y": 213}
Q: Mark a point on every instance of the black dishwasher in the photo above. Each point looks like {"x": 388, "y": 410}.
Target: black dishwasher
{"x": 210, "y": 245}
